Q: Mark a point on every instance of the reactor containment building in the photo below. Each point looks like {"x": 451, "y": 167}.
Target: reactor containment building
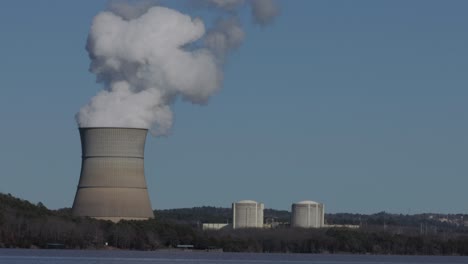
{"x": 247, "y": 214}
{"x": 112, "y": 183}
{"x": 307, "y": 214}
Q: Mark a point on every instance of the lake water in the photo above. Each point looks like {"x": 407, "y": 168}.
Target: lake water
{"x": 30, "y": 256}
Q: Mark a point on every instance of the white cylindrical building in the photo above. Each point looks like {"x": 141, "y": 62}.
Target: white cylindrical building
{"x": 247, "y": 214}
{"x": 112, "y": 183}
{"x": 307, "y": 214}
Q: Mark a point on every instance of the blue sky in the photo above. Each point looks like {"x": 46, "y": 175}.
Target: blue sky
{"x": 361, "y": 105}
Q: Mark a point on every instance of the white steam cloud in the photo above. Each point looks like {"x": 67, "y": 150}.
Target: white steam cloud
{"x": 130, "y": 9}
{"x": 263, "y": 11}
{"x": 146, "y": 56}
{"x": 225, "y": 36}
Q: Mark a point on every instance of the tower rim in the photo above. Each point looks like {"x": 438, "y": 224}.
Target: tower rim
{"x": 112, "y": 127}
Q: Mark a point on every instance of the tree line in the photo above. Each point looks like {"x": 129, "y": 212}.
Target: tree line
{"x": 27, "y": 225}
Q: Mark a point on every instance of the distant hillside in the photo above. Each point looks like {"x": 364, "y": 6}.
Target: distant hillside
{"x": 196, "y": 215}
{"x": 12, "y": 205}
{"x": 417, "y": 223}
{"x": 209, "y": 214}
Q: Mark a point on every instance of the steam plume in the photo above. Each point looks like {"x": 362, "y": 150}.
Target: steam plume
{"x": 264, "y": 11}
{"x": 130, "y": 9}
{"x": 146, "y": 56}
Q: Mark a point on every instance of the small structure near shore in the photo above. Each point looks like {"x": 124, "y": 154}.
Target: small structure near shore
{"x": 185, "y": 247}
{"x": 214, "y": 226}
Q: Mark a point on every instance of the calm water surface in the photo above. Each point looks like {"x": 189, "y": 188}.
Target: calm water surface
{"x": 29, "y": 256}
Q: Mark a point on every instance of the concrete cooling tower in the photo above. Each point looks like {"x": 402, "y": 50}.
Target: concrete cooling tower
{"x": 307, "y": 214}
{"x": 112, "y": 183}
{"x": 247, "y": 214}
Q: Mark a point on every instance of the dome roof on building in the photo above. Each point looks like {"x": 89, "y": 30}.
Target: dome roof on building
{"x": 307, "y": 202}
{"x": 246, "y": 201}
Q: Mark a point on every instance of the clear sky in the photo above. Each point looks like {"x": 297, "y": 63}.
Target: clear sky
{"x": 361, "y": 105}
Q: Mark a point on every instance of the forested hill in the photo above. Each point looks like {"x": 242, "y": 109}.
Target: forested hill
{"x": 27, "y": 225}
{"x": 209, "y": 214}
{"x": 196, "y": 215}
{"x": 427, "y": 222}
{"x": 12, "y": 205}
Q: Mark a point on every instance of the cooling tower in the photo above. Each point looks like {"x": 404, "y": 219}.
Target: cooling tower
{"x": 307, "y": 214}
{"x": 112, "y": 183}
{"x": 247, "y": 214}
